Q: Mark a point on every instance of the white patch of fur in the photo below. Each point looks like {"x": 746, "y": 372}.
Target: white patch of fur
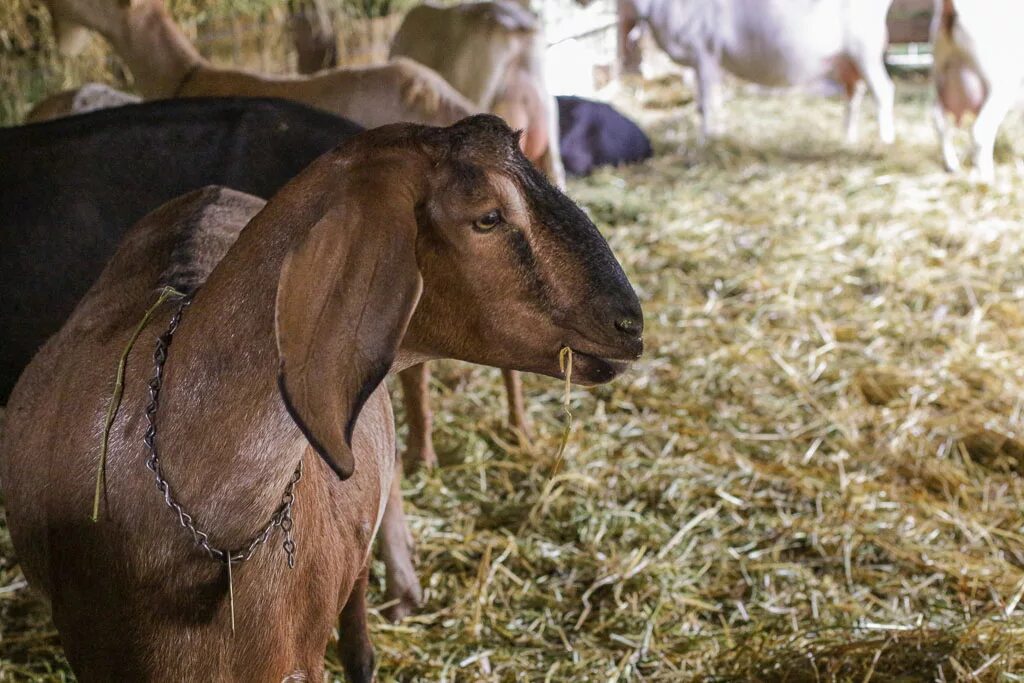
{"x": 93, "y": 96}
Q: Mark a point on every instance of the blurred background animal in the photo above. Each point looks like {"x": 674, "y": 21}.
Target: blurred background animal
{"x": 775, "y": 43}
{"x": 594, "y": 134}
{"x": 165, "y": 64}
{"x": 978, "y": 72}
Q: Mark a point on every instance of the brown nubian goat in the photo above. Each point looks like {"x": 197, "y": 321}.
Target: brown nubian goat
{"x": 404, "y": 244}
{"x": 165, "y": 64}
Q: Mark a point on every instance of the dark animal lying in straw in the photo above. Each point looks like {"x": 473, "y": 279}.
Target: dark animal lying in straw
{"x": 594, "y": 134}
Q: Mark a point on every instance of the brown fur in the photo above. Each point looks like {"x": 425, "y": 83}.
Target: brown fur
{"x": 165, "y": 64}
{"x": 314, "y": 295}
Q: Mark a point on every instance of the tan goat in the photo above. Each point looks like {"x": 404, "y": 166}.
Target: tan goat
{"x": 404, "y": 244}
{"x": 493, "y": 53}
{"x": 165, "y": 64}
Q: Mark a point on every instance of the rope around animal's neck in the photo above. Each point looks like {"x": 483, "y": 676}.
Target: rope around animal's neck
{"x": 115, "y": 400}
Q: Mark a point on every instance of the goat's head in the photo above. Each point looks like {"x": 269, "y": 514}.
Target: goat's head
{"x": 445, "y": 242}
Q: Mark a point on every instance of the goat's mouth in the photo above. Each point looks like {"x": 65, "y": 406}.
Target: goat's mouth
{"x": 597, "y": 364}
{"x": 590, "y": 369}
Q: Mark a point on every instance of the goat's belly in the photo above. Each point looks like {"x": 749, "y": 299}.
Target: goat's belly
{"x": 781, "y": 43}
{"x": 779, "y": 66}
{"x": 961, "y": 90}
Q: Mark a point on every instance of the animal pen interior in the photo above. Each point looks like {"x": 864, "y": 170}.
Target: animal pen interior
{"x": 813, "y": 473}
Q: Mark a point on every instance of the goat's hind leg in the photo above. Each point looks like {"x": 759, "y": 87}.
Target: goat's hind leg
{"x": 402, "y": 587}
{"x": 998, "y": 104}
{"x": 354, "y": 648}
{"x": 854, "y": 98}
{"x": 945, "y": 134}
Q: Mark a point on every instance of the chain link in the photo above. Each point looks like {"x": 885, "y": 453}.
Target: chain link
{"x": 282, "y": 517}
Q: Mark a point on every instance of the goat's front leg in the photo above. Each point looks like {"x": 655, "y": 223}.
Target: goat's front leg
{"x": 628, "y": 38}
{"x": 354, "y": 647}
{"x": 419, "y": 450}
{"x": 884, "y": 93}
{"x": 708, "y": 94}
{"x": 516, "y": 407}
{"x": 396, "y": 547}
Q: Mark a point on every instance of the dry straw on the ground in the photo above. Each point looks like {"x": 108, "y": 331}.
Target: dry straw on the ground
{"x": 813, "y": 475}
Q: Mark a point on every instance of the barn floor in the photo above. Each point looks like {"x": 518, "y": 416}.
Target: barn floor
{"x": 815, "y": 473}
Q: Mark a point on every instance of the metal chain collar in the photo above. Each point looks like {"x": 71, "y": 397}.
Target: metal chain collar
{"x": 282, "y": 517}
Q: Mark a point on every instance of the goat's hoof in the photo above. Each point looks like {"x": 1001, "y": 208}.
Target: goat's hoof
{"x": 983, "y": 177}
{"x": 523, "y": 436}
{"x": 358, "y": 665}
{"x": 420, "y": 458}
{"x": 406, "y": 604}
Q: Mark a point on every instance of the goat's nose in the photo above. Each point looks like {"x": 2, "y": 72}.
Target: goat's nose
{"x": 631, "y": 325}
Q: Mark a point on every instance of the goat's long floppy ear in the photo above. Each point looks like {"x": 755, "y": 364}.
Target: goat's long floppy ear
{"x": 344, "y": 299}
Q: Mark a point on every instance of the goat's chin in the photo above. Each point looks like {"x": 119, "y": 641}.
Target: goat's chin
{"x": 590, "y": 370}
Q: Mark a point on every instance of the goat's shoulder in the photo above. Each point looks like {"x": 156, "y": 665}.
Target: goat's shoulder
{"x": 203, "y": 235}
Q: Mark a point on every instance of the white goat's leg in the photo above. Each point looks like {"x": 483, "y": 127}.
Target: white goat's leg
{"x": 708, "y": 95}
{"x": 986, "y": 126}
{"x": 396, "y": 548}
{"x": 884, "y": 93}
{"x": 944, "y": 131}
{"x": 853, "y": 103}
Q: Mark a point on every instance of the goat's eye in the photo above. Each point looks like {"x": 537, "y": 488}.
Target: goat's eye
{"x": 488, "y": 221}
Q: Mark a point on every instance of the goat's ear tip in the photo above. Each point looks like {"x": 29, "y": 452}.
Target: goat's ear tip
{"x": 342, "y": 473}
{"x": 344, "y": 468}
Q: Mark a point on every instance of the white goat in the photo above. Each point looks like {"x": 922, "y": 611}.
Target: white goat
{"x": 776, "y": 43}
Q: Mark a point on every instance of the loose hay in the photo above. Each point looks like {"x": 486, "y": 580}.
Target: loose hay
{"x": 796, "y": 483}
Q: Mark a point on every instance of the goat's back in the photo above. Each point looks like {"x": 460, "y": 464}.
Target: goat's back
{"x": 396, "y": 92}
{"x": 72, "y": 187}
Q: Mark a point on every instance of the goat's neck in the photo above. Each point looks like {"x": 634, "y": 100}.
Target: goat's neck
{"x": 154, "y": 48}
{"x": 227, "y": 442}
